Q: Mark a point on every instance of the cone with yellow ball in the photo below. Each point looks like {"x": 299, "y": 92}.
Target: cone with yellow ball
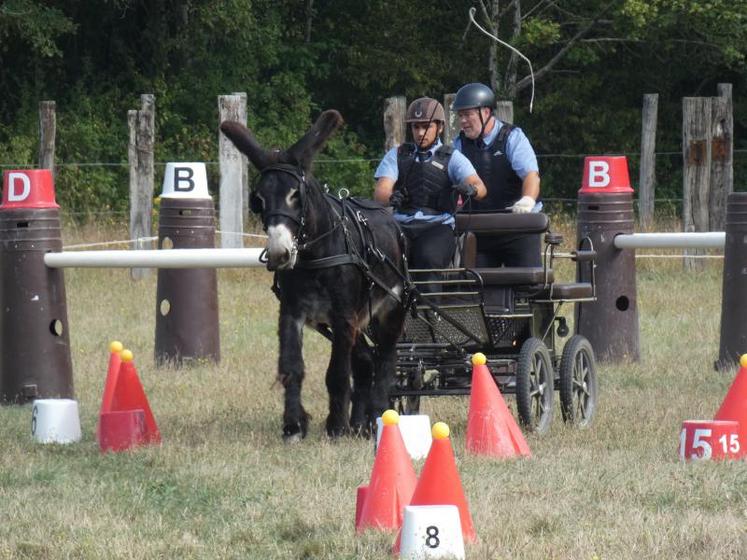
{"x": 491, "y": 428}
{"x": 129, "y": 410}
{"x": 380, "y": 505}
{"x": 112, "y": 374}
{"x": 439, "y": 482}
{"x": 734, "y": 406}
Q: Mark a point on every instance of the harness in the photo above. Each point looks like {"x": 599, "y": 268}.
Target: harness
{"x": 348, "y": 216}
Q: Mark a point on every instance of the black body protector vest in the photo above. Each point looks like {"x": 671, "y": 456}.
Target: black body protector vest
{"x": 493, "y": 167}
{"x": 425, "y": 184}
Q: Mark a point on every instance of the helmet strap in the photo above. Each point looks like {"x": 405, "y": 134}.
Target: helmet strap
{"x": 483, "y": 122}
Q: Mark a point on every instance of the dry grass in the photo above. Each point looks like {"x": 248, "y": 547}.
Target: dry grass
{"x": 223, "y": 485}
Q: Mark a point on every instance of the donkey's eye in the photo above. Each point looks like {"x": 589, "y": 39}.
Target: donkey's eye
{"x": 292, "y": 197}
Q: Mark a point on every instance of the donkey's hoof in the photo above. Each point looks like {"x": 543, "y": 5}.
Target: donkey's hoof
{"x": 336, "y": 429}
{"x": 292, "y": 438}
{"x": 293, "y": 433}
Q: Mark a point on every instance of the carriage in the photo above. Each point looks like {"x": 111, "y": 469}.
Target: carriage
{"x": 510, "y": 314}
{"x": 340, "y": 268}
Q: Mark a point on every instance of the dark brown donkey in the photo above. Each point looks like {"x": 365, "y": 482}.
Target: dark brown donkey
{"x": 339, "y": 268}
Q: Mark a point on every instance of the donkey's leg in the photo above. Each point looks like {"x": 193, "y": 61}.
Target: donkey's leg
{"x": 387, "y": 333}
{"x": 291, "y": 374}
{"x": 362, "y": 363}
{"x": 338, "y": 378}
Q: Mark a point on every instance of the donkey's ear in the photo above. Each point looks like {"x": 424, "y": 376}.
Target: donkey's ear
{"x": 244, "y": 140}
{"x": 303, "y": 151}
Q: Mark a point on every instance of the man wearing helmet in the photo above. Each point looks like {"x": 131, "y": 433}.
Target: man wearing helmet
{"x": 506, "y": 162}
{"x": 423, "y": 180}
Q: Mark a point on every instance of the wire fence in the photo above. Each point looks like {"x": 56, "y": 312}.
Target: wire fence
{"x": 94, "y": 191}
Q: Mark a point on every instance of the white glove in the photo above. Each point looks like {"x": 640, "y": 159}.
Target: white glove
{"x": 523, "y": 206}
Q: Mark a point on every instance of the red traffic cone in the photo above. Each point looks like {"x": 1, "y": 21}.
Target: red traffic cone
{"x": 734, "y": 406}
{"x": 491, "y": 428}
{"x": 392, "y": 481}
{"x": 121, "y": 430}
{"x": 129, "y": 395}
{"x": 112, "y": 374}
{"x": 439, "y": 482}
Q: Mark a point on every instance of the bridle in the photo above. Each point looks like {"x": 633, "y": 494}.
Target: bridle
{"x": 298, "y": 174}
{"x": 300, "y": 240}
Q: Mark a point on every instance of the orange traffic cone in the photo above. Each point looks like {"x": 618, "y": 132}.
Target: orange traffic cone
{"x": 129, "y": 395}
{"x": 392, "y": 481}
{"x": 491, "y": 428}
{"x": 734, "y": 406}
{"x": 439, "y": 482}
{"x": 112, "y": 374}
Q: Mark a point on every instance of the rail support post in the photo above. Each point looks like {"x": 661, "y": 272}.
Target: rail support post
{"x": 733, "y": 339}
{"x": 35, "y": 359}
{"x": 187, "y": 325}
{"x": 605, "y": 209}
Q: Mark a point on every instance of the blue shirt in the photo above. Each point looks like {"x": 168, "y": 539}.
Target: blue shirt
{"x": 518, "y": 149}
{"x": 459, "y": 169}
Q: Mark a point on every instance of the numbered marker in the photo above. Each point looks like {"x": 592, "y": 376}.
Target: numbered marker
{"x": 709, "y": 439}
{"x": 431, "y": 532}
{"x": 34, "y": 415}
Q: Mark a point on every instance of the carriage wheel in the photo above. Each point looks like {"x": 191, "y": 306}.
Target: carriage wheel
{"x": 578, "y": 382}
{"x": 534, "y": 386}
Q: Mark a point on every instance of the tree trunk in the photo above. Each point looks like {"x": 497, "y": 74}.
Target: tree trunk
{"x": 647, "y": 177}
{"x": 231, "y": 222}
{"x": 140, "y": 154}
{"x": 394, "y": 121}
{"x": 722, "y": 154}
{"x": 47, "y": 133}
{"x": 696, "y": 156}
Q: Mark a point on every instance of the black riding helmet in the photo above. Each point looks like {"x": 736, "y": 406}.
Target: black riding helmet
{"x": 473, "y": 96}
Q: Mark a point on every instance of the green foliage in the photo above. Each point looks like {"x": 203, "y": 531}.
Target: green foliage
{"x": 94, "y": 59}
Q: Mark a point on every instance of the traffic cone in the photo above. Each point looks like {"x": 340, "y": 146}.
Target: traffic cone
{"x": 491, "y": 428}
{"x": 734, "y": 406}
{"x": 112, "y": 373}
{"x": 129, "y": 395}
{"x": 392, "y": 481}
{"x": 439, "y": 483}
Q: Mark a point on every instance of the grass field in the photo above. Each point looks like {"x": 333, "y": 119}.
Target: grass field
{"x": 223, "y": 485}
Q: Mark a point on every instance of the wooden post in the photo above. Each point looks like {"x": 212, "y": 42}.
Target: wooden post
{"x": 243, "y": 116}
{"x": 504, "y": 111}
{"x": 47, "y": 133}
{"x": 696, "y": 157}
{"x": 140, "y": 154}
{"x": 722, "y": 154}
{"x": 394, "y": 121}
{"x": 451, "y": 126}
{"x": 231, "y": 206}
{"x": 647, "y": 177}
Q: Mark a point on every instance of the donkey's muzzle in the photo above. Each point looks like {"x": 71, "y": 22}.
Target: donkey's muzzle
{"x": 280, "y": 260}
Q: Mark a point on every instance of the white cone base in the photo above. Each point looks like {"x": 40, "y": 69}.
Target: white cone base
{"x": 185, "y": 180}
{"x": 55, "y": 421}
{"x": 431, "y": 532}
{"x": 416, "y": 433}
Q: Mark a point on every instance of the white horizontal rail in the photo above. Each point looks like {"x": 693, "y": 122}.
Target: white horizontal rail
{"x": 685, "y": 240}
{"x": 164, "y": 258}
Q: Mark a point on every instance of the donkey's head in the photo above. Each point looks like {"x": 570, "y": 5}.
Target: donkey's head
{"x": 279, "y": 196}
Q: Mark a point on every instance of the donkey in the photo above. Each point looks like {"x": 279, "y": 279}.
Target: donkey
{"x": 339, "y": 268}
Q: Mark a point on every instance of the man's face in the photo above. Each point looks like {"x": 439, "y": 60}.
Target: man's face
{"x": 424, "y": 133}
{"x": 469, "y": 121}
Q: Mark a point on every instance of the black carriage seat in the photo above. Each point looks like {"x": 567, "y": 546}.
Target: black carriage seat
{"x": 501, "y": 283}
{"x": 538, "y": 281}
